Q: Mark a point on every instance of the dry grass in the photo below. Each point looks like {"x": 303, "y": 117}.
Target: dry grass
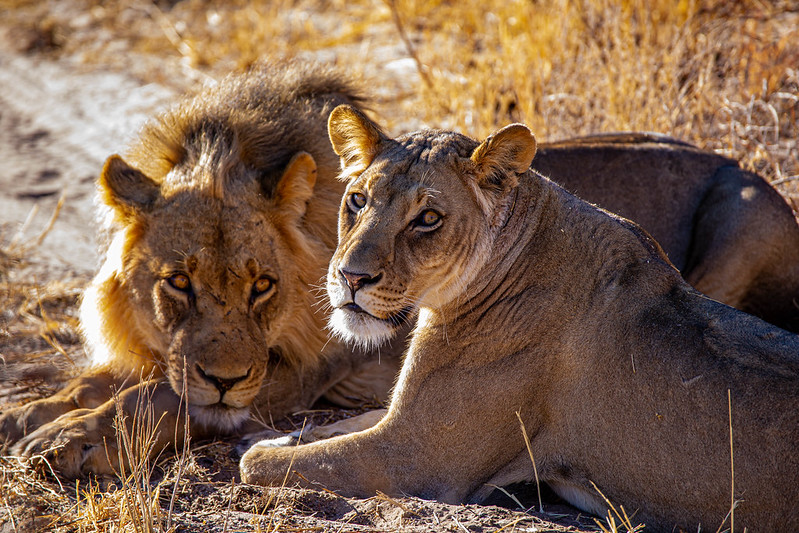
{"x": 723, "y": 75}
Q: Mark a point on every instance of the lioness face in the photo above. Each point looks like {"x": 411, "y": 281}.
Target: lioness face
{"x": 399, "y": 247}
{"x": 214, "y": 282}
{"x": 409, "y": 235}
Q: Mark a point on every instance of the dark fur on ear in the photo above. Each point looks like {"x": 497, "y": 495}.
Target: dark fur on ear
{"x": 355, "y": 138}
{"x": 503, "y": 156}
{"x": 125, "y": 189}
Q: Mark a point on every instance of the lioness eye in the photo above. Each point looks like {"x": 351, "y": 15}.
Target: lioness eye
{"x": 180, "y": 282}
{"x": 428, "y": 219}
{"x": 260, "y": 287}
{"x": 356, "y": 201}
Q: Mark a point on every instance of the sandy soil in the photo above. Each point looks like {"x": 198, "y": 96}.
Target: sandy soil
{"x": 57, "y": 126}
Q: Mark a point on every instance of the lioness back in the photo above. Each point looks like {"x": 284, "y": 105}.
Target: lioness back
{"x": 731, "y": 235}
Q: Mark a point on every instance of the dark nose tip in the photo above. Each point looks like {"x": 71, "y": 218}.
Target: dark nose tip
{"x": 222, "y": 384}
{"x": 357, "y": 280}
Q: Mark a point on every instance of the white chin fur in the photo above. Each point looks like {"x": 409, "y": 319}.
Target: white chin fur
{"x": 226, "y": 420}
{"x": 360, "y": 328}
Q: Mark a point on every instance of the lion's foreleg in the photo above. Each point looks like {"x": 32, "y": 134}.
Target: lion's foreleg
{"x": 87, "y": 391}
{"x": 352, "y": 465}
{"x": 138, "y": 423}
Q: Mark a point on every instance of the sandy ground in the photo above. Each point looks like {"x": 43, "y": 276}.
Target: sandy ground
{"x": 57, "y": 126}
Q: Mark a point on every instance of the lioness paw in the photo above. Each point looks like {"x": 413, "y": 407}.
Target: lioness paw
{"x": 266, "y": 465}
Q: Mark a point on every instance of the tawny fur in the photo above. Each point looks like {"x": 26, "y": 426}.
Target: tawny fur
{"x": 729, "y": 232}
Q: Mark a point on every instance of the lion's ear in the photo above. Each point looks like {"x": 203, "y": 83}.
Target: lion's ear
{"x": 126, "y": 189}
{"x": 296, "y": 184}
{"x": 354, "y": 137}
{"x": 503, "y": 155}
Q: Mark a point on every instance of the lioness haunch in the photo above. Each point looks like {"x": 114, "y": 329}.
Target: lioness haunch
{"x": 532, "y": 301}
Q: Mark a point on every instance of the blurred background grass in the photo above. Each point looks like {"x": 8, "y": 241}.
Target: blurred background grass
{"x": 721, "y": 74}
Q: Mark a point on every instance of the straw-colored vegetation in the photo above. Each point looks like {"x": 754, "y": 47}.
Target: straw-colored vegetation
{"x": 723, "y": 75}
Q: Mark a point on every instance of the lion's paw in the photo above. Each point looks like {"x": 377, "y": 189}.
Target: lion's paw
{"x": 77, "y": 443}
{"x": 268, "y": 438}
{"x": 17, "y": 422}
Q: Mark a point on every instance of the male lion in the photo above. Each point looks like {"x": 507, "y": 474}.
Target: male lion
{"x": 534, "y": 303}
{"x": 221, "y": 224}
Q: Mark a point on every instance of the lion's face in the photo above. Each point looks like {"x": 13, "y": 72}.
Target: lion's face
{"x": 414, "y": 225}
{"x": 219, "y": 286}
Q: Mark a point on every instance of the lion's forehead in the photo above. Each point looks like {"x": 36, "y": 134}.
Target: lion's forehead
{"x": 212, "y": 241}
{"x": 431, "y": 147}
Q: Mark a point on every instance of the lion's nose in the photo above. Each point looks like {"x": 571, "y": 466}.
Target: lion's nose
{"x": 222, "y": 384}
{"x": 357, "y": 280}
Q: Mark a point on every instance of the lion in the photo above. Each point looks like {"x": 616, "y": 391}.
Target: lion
{"x": 539, "y": 312}
{"x": 222, "y": 223}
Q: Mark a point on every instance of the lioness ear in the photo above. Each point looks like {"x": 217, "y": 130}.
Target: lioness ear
{"x": 126, "y": 189}
{"x": 354, "y": 137}
{"x": 504, "y": 155}
{"x": 296, "y": 184}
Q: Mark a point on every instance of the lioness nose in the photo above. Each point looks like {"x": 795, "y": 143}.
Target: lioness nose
{"x": 222, "y": 384}
{"x": 356, "y": 280}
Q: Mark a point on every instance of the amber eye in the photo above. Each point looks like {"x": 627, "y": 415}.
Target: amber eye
{"x": 179, "y": 281}
{"x": 356, "y": 201}
{"x": 427, "y": 220}
{"x": 261, "y": 286}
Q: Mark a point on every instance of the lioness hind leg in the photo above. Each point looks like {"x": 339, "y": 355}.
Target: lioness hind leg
{"x": 742, "y": 212}
{"x": 84, "y": 392}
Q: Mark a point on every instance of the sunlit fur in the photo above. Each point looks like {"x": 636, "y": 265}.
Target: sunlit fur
{"x": 431, "y": 276}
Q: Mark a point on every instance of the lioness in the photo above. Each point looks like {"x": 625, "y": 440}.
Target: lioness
{"x": 222, "y": 222}
{"x": 534, "y": 302}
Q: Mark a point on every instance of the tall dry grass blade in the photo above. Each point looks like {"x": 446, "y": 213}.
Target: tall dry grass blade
{"x": 135, "y": 450}
{"x": 732, "y": 466}
{"x": 624, "y": 519}
{"x": 184, "y": 454}
{"x": 733, "y": 502}
{"x": 535, "y": 469}
{"x": 395, "y": 16}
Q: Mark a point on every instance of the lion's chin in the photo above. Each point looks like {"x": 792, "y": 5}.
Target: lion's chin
{"x": 221, "y": 417}
{"x": 362, "y": 328}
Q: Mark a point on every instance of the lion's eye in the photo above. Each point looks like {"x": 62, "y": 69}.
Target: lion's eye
{"x": 356, "y": 201}
{"x": 179, "y": 281}
{"x": 261, "y": 287}
{"x": 427, "y": 220}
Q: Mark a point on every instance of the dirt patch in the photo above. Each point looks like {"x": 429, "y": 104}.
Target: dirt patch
{"x": 57, "y": 126}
